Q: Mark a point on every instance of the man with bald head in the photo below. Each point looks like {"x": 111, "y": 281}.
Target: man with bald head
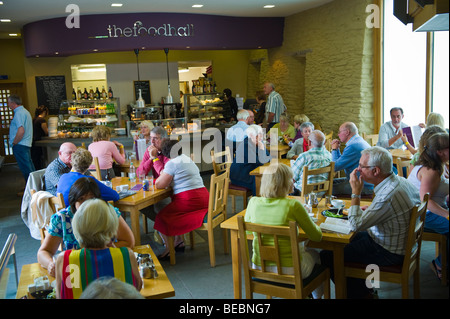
{"x": 59, "y": 166}
{"x": 349, "y": 159}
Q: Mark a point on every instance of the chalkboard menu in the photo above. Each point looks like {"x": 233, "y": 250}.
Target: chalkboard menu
{"x": 51, "y": 91}
{"x": 145, "y": 91}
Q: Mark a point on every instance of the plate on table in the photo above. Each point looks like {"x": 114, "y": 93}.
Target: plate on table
{"x": 335, "y": 213}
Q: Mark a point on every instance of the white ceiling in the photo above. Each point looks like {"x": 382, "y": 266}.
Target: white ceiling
{"x": 21, "y": 12}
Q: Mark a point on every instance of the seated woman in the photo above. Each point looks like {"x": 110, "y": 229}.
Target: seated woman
{"x": 302, "y": 144}
{"x": 60, "y": 227}
{"x": 429, "y": 131}
{"x": 95, "y": 226}
{"x": 284, "y": 129}
{"x": 146, "y": 127}
{"x": 299, "y": 119}
{"x": 80, "y": 161}
{"x": 189, "y": 201}
{"x": 274, "y": 208}
{"x": 106, "y": 151}
{"x": 428, "y": 177}
{"x": 250, "y": 154}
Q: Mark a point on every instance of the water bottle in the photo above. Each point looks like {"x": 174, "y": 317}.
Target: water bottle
{"x": 132, "y": 173}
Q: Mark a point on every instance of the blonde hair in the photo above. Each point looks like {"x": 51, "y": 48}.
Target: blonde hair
{"x": 81, "y": 160}
{"x": 301, "y": 118}
{"x": 277, "y": 181}
{"x": 101, "y": 133}
{"x": 95, "y": 223}
{"x": 435, "y": 119}
{"x": 149, "y": 124}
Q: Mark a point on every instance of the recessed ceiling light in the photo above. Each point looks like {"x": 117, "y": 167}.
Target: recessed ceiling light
{"x": 197, "y": 5}
{"x": 116, "y": 4}
{"x": 5, "y": 20}
{"x": 13, "y": 34}
{"x": 56, "y": 53}
{"x": 269, "y": 6}
{"x": 95, "y": 50}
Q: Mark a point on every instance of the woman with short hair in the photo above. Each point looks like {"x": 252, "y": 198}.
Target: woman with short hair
{"x": 302, "y": 144}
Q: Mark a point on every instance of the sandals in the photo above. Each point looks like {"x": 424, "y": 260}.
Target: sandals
{"x": 436, "y": 270}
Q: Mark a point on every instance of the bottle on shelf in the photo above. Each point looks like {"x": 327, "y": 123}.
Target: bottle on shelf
{"x": 85, "y": 94}
{"x": 194, "y": 91}
{"x": 79, "y": 94}
{"x": 97, "y": 94}
{"x": 91, "y": 93}
{"x": 110, "y": 93}
{"x": 104, "y": 94}
{"x": 74, "y": 95}
{"x": 132, "y": 173}
{"x": 214, "y": 87}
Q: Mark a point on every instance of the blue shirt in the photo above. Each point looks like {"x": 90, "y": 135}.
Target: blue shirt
{"x": 349, "y": 159}
{"x": 21, "y": 118}
{"x": 66, "y": 181}
{"x": 237, "y": 132}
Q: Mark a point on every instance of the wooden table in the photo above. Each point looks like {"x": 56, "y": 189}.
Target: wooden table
{"x": 280, "y": 149}
{"x": 403, "y": 154}
{"x": 133, "y": 204}
{"x": 330, "y": 241}
{"x": 155, "y": 288}
{"x": 257, "y": 172}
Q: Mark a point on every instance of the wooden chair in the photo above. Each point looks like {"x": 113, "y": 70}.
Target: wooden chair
{"x": 372, "y": 139}
{"x": 97, "y": 173}
{"x": 219, "y": 167}
{"x": 411, "y": 263}
{"x": 328, "y": 140}
{"x": 7, "y": 251}
{"x": 441, "y": 244}
{"x": 217, "y": 213}
{"x": 277, "y": 284}
{"x": 324, "y": 186}
{"x": 401, "y": 163}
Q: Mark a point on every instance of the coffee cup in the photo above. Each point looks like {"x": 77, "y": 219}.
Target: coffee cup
{"x": 337, "y": 203}
{"x": 124, "y": 187}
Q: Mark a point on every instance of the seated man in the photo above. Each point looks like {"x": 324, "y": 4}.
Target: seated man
{"x": 250, "y": 154}
{"x": 316, "y": 157}
{"x": 383, "y": 226}
{"x": 237, "y": 132}
{"x": 59, "y": 166}
{"x": 349, "y": 159}
{"x": 391, "y": 133}
{"x": 153, "y": 161}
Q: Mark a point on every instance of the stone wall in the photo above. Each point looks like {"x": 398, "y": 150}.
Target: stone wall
{"x": 324, "y": 68}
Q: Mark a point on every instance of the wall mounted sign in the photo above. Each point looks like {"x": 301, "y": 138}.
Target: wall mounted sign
{"x": 138, "y": 29}
{"x": 51, "y": 91}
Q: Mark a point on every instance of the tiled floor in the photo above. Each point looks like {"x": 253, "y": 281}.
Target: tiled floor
{"x": 192, "y": 276}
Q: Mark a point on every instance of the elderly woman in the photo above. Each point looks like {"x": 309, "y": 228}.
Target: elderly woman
{"x": 106, "y": 151}
{"x": 146, "y": 127}
{"x": 428, "y": 177}
{"x": 284, "y": 129}
{"x": 153, "y": 160}
{"x": 276, "y": 209}
{"x": 302, "y": 144}
{"x": 189, "y": 201}
{"x": 250, "y": 154}
{"x": 95, "y": 226}
{"x": 60, "y": 227}
{"x": 80, "y": 161}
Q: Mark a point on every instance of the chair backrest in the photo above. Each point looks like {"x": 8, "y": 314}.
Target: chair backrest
{"x": 218, "y": 195}
{"x": 372, "y": 139}
{"x": 97, "y": 174}
{"x": 401, "y": 163}
{"x": 328, "y": 140}
{"x": 415, "y": 234}
{"x": 221, "y": 161}
{"x": 263, "y": 281}
{"x": 317, "y": 187}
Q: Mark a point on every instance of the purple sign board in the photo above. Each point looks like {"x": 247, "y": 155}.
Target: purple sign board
{"x": 152, "y": 31}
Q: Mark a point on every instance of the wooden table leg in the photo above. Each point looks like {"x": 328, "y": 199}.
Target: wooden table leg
{"x": 135, "y": 226}
{"x": 236, "y": 264}
{"x": 340, "y": 282}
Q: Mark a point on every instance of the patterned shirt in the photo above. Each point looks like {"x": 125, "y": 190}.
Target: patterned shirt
{"x": 387, "y": 218}
{"x": 316, "y": 157}
{"x": 275, "y": 104}
{"x": 61, "y": 226}
{"x": 52, "y": 174}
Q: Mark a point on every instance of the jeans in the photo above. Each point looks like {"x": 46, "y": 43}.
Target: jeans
{"x": 437, "y": 224}
{"x": 23, "y": 158}
{"x": 363, "y": 250}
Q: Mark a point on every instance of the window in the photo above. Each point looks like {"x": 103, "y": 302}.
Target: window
{"x": 440, "y": 101}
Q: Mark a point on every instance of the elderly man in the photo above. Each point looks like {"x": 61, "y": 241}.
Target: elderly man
{"x": 153, "y": 160}
{"x": 391, "y": 133}
{"x": 237, "y": 132}
{"x": 21, "y": 135}
{"x": 59, "y": 166}
{"x": 316, "y": 157}
{"x": 383, "y": 226}
{"x": 250, "y": 154}
{"x": 275, "y": 105}
{"x": 349, "y": 159}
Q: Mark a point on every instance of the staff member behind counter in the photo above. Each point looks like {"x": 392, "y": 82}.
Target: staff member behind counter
{"x": 233, "y": 107}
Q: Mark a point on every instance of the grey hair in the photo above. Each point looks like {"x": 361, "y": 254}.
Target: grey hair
{"x": 160, "y": 131}
{"x": 351, "y": 127}
{"x": 317, "y": 138}
{"x": 242, "y": 114}
{"x": 379, "y": 157}
{"x": 110, "y": 288}
{"x": 305, "y": 125}
{"x": 15, "y": 99}
{"x": 254, "y": 130}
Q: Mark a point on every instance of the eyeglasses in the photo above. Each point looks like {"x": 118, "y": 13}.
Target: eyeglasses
{"x": 359, "y": 166}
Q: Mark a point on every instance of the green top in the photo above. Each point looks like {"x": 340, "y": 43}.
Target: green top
{"x": 279, "y": 212}
{"x": 290, "y": 130}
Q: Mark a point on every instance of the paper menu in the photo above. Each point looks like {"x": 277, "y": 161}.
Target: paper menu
{"x": 140, "y": 146}
{"x": 413, "y": 133}
{"x": 336, "y": 225}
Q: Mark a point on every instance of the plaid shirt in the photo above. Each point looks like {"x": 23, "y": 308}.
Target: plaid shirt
{"x": 275, "y": 104}
{"x": 317, "y": 157}
{"x": 387, "y": 218}
{"x": 52, "y": 174}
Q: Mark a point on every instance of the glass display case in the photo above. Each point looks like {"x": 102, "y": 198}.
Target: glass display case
{"x": 208, "y": 108}
{"x": 172, "y": 125}
{"x": 82, "y": 115}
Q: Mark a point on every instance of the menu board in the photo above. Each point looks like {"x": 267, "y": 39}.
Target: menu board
{"x": 51, "y": 91}
{"x": 145, "y": 90}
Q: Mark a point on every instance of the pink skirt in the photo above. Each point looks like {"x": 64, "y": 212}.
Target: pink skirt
{"x": 184, "y": 214}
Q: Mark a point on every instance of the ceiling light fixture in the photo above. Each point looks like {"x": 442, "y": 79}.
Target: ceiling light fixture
{"x": 269, "y": 6}
{"x": 5, "y": 20}
{"x": 13, "y": 34}
{"x": 197, "y": 5}
{"x": 116, "y": 4}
